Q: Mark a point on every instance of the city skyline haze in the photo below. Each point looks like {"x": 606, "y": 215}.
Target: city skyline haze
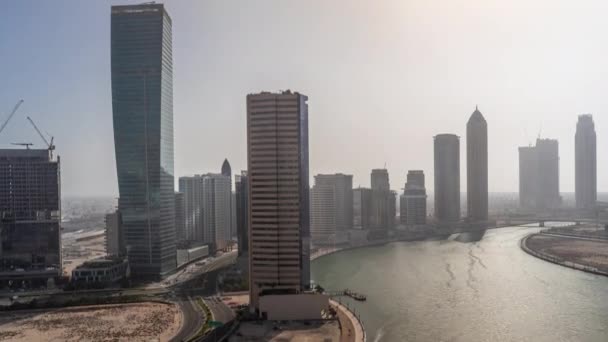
{"x": 383, "y": 79}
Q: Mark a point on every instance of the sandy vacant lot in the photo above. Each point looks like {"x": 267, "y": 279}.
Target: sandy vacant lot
{"x": 585, "y": 252}
{"x": 123, "y": 322}
{"x": 77, "y": 252}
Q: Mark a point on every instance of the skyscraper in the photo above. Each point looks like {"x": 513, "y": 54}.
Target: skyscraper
{"x": 383, "y": 209}
{"x": 539, "y": 175}
{"x": 379, "y": 180}
{"x": 227, "y": 171}
{"x": 241, "y": 186}
{"x": 477, "y": 167}
{"x": 585, "y": 162}
{"x": 277, "y": 151}
{"x": 332, "y": 207}
{"x": 548, "y": 195}
{"x": 413, "y": 200}
{"x": 115, "y": 243}
{"x": 142, "y": 103}
{"x": 362, "y": 208}
{"x": 528, "y": 176}
{"x": 415, "y": 178}
{"x": 30, "y": 216}
{"x": 180, "y": 217}
{"x": 217, "y": 202}
{"x": 322, "y": 215}
{"x": 447, "y": 178}
{"x": 192, "y": 188}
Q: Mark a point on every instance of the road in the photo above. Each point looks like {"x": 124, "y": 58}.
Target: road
{"x": 220, "y": 311}
{"x": 200, "y": 282}
{"x": 192, "y": 271}
{"x": 184, "y": 286}
{"x": 192, "y": 319}
{"x": 156, "y": 289}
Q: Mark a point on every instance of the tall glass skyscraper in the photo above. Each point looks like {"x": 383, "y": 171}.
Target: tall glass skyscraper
{"x": 142, "y": 102}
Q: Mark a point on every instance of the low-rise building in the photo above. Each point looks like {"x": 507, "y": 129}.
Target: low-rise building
{"x": 107, "y": 270}
{"x": 291, "y": 307}
{"x": 185, "y": 256}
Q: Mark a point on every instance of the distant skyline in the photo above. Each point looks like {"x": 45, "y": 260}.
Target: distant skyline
{"x": 382, "y": 79}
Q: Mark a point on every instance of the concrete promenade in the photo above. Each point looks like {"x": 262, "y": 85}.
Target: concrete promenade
{"x": 350, "y": 326}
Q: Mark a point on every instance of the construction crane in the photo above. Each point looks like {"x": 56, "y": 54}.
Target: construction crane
{"x": 50, "y": 145}
{"x": 10, "y": 116}
{"x": 27, "y": 145}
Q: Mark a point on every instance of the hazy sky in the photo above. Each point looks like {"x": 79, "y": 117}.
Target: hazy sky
{"x": 383, "y": 77}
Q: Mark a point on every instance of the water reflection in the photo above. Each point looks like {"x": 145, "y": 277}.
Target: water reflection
{"x": 469, "y": 287}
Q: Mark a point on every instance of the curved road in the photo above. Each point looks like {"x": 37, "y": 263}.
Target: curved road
{"x": 220, "y": 311}
{"x": 192, "y": 319}
{"x": 201, "y": 283}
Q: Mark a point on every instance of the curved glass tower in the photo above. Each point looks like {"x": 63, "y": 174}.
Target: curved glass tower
{"x": 142, "y": 103}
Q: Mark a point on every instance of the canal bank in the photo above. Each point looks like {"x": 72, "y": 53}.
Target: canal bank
{"x": 351, "y": 327}
{"x": 488, "y": 290}
{"x": 555, "y": 249}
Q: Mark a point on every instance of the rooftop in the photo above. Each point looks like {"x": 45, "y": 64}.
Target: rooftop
{"x": 101, "y": 263}
{"x": 477, "y": 115}
{"x": 42, "y": 154}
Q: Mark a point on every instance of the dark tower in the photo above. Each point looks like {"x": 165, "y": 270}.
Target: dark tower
{"x": 585, "y": 163}
{"x": 447, "y": 178}
{"x": 477, "y": 167}
{"x": 226, "y": 170}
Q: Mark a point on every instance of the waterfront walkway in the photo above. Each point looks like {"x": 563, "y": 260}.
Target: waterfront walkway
{"x": 350, "y": 326}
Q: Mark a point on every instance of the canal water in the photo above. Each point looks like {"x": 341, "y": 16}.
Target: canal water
{"x": 454, "y": 290}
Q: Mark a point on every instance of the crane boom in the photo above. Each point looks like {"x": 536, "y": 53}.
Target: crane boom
{"x": 39, "y": 133}
{"x": 10, "y": 116}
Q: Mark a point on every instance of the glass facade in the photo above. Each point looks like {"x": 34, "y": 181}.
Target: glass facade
{"x": 30, "y": 213}
{"x": 304, "y": 189}
{"x": 142, "y": 102}
{"x": 242, "y": 212}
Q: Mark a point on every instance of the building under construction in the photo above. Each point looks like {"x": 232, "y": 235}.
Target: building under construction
{"x": 30, "y": 217}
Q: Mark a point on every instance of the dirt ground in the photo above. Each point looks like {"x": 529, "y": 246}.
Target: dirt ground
{"x": 585, "y": 252}
{"x": 123, "y": 322}
{"x": 77, "y": 252}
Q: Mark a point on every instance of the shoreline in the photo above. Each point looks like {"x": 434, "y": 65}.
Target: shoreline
{"x": 336, "y": 250}
{"x": 358, "y": 331}
{"x": 523, "y": 243}
{"x": 413, "y": 238}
